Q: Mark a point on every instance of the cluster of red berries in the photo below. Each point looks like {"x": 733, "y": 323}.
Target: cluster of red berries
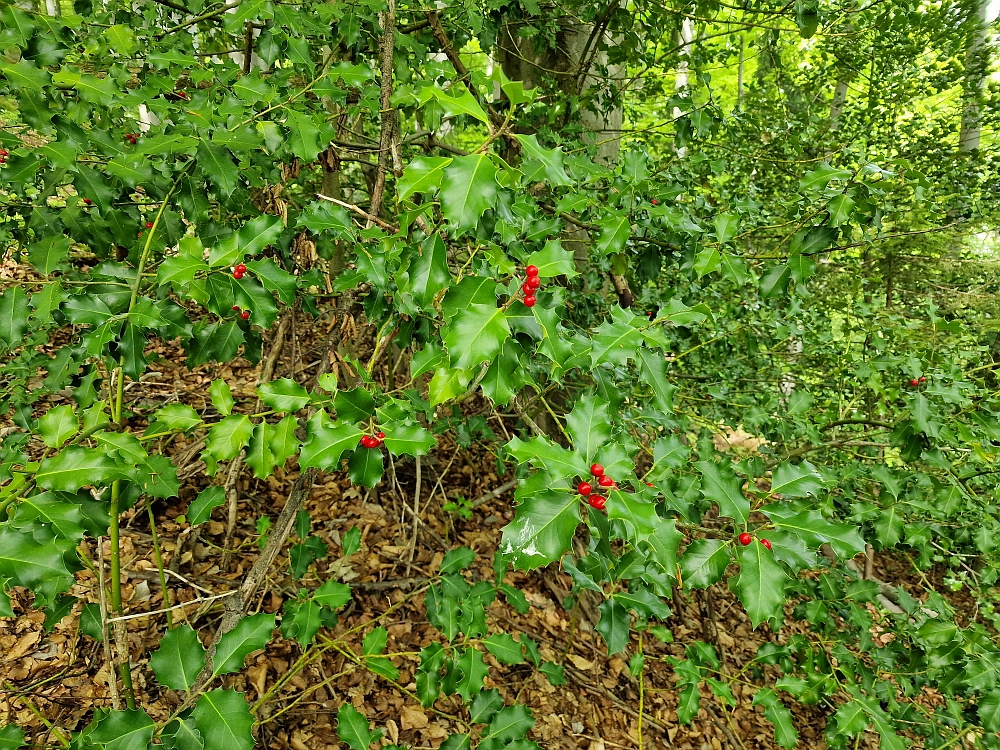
{"x": 745, "y": 539}
{"x": 245, "y": 314}
{"x": 239, "y": 271}
{"x": 586, "y": 489}
{"x": 530, "y": 286}
{"x": 372, "y": 441}
{"x": 918, "y": 381}
{"x": 132, "y": 138}
{"x": 4, "y": 153}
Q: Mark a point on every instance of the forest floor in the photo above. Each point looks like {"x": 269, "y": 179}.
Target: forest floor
{"x": 53, "y": 680}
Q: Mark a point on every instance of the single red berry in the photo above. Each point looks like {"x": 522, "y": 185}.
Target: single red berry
{"x": 532, "y": 283}
{"x": 914, "y": 382}
{"x": 236, "y": 308}
{"x": 584, "y": 488}
{"x": 597, "y": 502}
{"x": 745, "y": 539}
{"x": 245, "y": 315}
{"x": 530, "y": 300}
{"x": 527, "y": 288}
{"x": 605, "y": 481}
{"x": 237, "y": 275}
{"x": 376, "y": 443}
{"x": 650, "y": 484}
{"x": 4, "y": 152}
{"x": 596, "y": 469}
{"x": 766, "y": 543}
{"x": 531, "y": 271}
{"x": 149, "y": 225}
{"x": 380, "y": 435}
{"x": 88, "y": 201}
{"x": 241, "y": 268}
{"x": 923, "y": 379}
{"x": 655, "y": 202}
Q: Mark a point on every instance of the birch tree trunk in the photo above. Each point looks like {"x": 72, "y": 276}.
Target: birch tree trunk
{"x": 977, "y": 56}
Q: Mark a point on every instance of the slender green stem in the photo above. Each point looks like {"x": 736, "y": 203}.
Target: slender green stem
{"x": 116, "y": 588}
{"x": 159, "y": 562}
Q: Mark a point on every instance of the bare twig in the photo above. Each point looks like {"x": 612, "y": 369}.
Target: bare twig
{"x": 116, "y": 701}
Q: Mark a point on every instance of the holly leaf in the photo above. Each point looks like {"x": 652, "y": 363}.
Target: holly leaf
{"x": 468, "y": 188}
{"x": 811, "y": 527}
{"x": 284, "y": 394}
{"x": 508, "y": 726}
{"x": 284, "y": 442}
{"x": 40, "y": 567}
{"x": 366, "y": 466}
{"x": 218, "y": 166}
{"x": 539, "y": 161}
{"x": 259, "y": 456}
{"x": 222, "y": 397}
{"x": 258, "y": 233}
{"x": 791, "y": 480}
{"x": 724, "y": 488}
{"x": 224, "y": 719}
{"x": 332, "y": 594}
{"x": 408, "y": 439}
{"x": 542, "y": 529}
{"x": 12, "y": 737}
{"x": 589, "y": 424}
{"x": 422, "y": 175}
{"x": 58, "y": 425}
{"x": 704, "y": 562}
{"x": 475, "y": 335}
{"x": 227, "y": 438}
{"x": 179, "y": 659}
{"x": 250, "y": 634}
{"x": 504, "y": 648}
{"x": 474, "y": 671}
{"x": 76, "y": 467}
{"x": 760, "y": 584}
{"x": 327, "y": 441}
{"x": 124, "y": 730}
{"x": 352, "y": 728}
{"x": 614, "y": 625}
{"x": 614, "y": 233}
{"x": 47, "y": 255}
{"x": 485, "y": 705}
{"x": 201, "y": 507}
{"x": 776, "y": 713}
{"x": 13, "y": 317}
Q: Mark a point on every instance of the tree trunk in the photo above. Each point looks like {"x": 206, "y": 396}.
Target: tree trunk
{"x": 837, "y": 106}
{"x": 977, "y": 56}
{"x": 683, "y": 66}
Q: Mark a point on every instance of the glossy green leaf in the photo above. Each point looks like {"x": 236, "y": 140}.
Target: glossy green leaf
{"x": 250, "y": 634}
{"x": 179, "y": 659}
{"x": 224, "y": 720}
{"x": 124, "y": 730}
{"x": 468, "y": 188}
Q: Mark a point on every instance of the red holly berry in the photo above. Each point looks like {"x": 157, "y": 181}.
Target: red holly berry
{"x": 245, "y": 315}
{"x": 530, "y": 300}
{"x": 584, "y": 488}
{"x": 4, "y": 152}
{"x": 236, "y": 308}
{"x": 365, "y": 440}
{"x": 527, "y": 288}
{"x": 655, "y": 202}
{"x": 532, "y": 283}
{"x": 596, "y": 469}
{"x": 650, "y": 484}
{"x": 914, "y": 382}
{"x": 923, "y": 379}
{"x": 597, "y": 502}
{"x": 605, "y": 481}
{"x": 531, "y": 271}
{"x": 766, "y": 543}
{"x": 237, "y": 276}
{"x": 380, "y": 435}
{"x": 149, "y": 225}
{"x": 745, "y": 539}
{"x": 88, "y": 201}
{"x": 240, "y": 268}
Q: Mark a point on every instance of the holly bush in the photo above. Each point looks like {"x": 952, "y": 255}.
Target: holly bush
{"x": 732, "y": 331}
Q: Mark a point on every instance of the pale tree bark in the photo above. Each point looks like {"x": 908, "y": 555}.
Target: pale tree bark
{"x": 837, "y": 106}
{"x": 683, "y": 68}
{"x": 977, "y": 57}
